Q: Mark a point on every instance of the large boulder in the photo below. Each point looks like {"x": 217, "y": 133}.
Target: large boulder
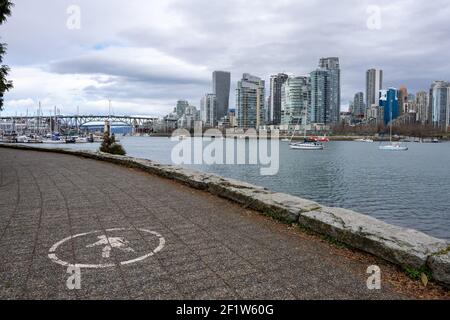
{"x": 405, "y": 247}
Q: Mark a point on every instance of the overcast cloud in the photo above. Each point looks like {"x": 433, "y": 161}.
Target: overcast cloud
{"x": 146, "y": 54}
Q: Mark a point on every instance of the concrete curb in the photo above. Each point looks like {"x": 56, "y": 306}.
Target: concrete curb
{"x": 407, "y": 248}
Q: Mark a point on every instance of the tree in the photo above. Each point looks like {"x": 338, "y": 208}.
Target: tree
{"x": 109, "y": 145}
{"x": 5, "y": 85}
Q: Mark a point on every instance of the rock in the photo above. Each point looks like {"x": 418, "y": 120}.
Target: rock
{"x": 440, "y": 267}
{"x": 405, "y": 247}
{"x": 279, "y": 205}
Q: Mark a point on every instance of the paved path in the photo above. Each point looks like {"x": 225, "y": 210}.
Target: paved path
{"x": 213, "y": 248}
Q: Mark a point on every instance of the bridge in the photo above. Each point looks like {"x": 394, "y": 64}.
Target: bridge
{"x": 65, "y": 122}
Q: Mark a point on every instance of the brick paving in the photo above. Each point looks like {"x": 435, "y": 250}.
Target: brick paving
{"x": 213, "y": 249}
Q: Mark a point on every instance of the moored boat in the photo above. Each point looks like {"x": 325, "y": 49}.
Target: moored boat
{"x": 394, "y": 147}
{"x": 364, "y": 140}
{"x": 306, "y": 145}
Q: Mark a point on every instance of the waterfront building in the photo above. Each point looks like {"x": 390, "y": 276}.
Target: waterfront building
{"x": 402, "y": 99}
{"x": 331, "y": 64}
{"x": 181, "y": 107}
{"x": 274, "y": 100}
{"x": 320, "y": 86}
{"x": 411, "y": 104}
{"x": 440, "y": 104}
{"x": 229, "y": 121}
{"x": 187, "y": 120}
{"x": 359, "y": 107}
{"x": 375, "y": 114}
{"x": 170, "y": 122}
{"x": 389, "y": 104}
{"x": 374, "y": 83}
{"x": 250, "y": 97}
{"x": 208, "y": 110}
{"x": 221, "y": 88}
{"x": 296, "y": 101}
{"x": 423, "y": 107}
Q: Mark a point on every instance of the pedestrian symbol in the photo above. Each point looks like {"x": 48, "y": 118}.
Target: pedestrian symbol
{"x": 108, "y": 240}
{"x": 110, "y": 243}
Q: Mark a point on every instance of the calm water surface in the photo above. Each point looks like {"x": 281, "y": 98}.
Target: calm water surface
{"x": 409, "y": 189}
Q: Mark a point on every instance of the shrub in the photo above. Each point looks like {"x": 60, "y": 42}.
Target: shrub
{"x": 116, "y": 148}
{"x": 109, "y": 145}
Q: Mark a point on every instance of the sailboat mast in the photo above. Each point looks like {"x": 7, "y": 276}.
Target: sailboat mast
{"x": 390, "y": 134}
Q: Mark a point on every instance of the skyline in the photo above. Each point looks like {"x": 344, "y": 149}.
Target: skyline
{"x": 144, "y": 65}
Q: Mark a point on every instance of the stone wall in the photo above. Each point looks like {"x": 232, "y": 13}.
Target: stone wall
{"x": 407, "y": 248}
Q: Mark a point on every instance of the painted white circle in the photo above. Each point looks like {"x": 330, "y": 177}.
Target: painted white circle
{"x": 52, "y": 252}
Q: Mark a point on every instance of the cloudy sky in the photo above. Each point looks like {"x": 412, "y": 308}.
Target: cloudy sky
{"x": 146, "y": 54}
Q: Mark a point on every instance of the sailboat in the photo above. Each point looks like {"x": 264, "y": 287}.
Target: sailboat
{"x": 394, "y": 146}
{"x": 306, "y": 144}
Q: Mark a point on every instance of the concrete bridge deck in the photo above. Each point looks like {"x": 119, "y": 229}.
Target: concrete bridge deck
{"x": 163, "y": 240}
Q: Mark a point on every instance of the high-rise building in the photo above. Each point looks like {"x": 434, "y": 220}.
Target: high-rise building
{"x": 250, "y": 96}
{"x": 208, "y": 110}
{"x": 274, "y": 102}
{"x": 187, "y": 120}
{"x": 359, "y": 107}
{"x": 440, "y": 104}
{"x": 296, "y": 101}
{"x": 389, "y": 104}
{"x": 320, "y": 96}
{"x": 221, "y": 88}
{"x": 423, "y": 107}
{"x": 374, "y": 83}
{"x": 334, "y": 107}
{"x": 181, "y": 107}
{"x": 403, "y": 99}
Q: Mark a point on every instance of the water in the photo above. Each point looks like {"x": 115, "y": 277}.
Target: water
{"x": 409, "y": 189}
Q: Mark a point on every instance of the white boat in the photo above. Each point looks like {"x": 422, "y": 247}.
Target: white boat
{"x": 285, "y": 140}
{"x": 394, "y": 147}
{"x": 363, "y": 140}
{"x": 22, "y": 139}
{"x": 81, "y": 140}
{"x": 97, "y": 138}
{"x": 306, "y": 145}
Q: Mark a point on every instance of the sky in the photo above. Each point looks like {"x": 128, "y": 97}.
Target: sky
{"x": 144, "y": 55}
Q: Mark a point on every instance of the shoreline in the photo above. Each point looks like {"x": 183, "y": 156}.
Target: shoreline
{"x": 407, "y": 248}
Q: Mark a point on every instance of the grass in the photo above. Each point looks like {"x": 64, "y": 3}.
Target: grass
{"x": 415, "y": 274}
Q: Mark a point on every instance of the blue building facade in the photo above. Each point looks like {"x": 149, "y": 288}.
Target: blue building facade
{"x": 389, "y": 103}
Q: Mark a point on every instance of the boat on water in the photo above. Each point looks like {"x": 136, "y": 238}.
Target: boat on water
{"x": 321, "y": 139}
{"x": 393, "y": 146}
{"x": 71, "y": 140}
{"x": 285, "y": 140}
{"x": 81, "y": 140}
{"x": 364, "y": 140}
{"x": 306, "y": 145}
{"x": 29, "y": 139}
{"x": 22, "y": 139}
